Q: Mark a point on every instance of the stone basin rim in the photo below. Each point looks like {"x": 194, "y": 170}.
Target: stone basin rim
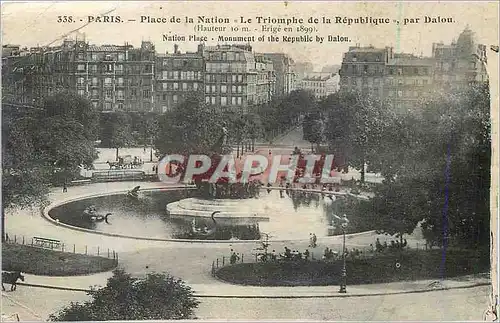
{"x": 46, "y": 209}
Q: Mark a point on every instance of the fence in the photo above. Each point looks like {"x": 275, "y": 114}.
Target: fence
{"x": 56, "y": 245}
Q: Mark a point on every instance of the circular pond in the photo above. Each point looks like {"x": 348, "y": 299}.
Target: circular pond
{"x": 290, "y": 216}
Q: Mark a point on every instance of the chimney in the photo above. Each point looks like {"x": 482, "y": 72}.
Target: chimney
{"x": 200, "y": 48}
{"x": 176, "y": 48}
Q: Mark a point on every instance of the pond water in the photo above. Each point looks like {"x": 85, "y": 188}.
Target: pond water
{"x": 291, "y": 216}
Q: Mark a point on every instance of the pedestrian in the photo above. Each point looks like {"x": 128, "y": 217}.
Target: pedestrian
{"x": 306, "y": 254}
{"x": 314, "y": 240}
{"x": 65, "y": 188}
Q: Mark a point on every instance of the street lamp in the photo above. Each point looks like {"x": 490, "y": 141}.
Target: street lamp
{"x": 343, "y": 281}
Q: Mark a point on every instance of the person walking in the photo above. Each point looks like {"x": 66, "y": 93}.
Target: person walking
{"x": 65, "y": 187}
{"x": 314, "y": 240}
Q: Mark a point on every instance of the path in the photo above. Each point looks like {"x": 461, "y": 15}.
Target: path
{"x": 189, "y": 261}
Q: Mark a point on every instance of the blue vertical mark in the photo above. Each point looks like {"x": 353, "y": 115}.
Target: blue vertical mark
{"x": 398, "y": 28}
{"x": 445, "y": 209}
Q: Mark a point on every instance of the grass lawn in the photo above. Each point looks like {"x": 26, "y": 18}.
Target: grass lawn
{"x": 40, "y": 261}
{"x": 414, "y": 265}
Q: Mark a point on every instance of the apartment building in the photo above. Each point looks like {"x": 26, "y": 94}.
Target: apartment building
{"x": 178, "y": 75}
{"x": 113, "y": 77}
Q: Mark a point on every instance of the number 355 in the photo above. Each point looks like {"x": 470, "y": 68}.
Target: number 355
{"x": 64, "y": 19}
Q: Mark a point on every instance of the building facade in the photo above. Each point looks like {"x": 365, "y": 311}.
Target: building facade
{"x": 284, "y": 71}
{"x": 178, "y": 75}
{"x": 320, "y": 84}
{"x": 114, "y": 78}
{"x": 403, "y": 79}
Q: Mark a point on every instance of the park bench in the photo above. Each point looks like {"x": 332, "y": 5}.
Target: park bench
{"x": 46, "y": 243}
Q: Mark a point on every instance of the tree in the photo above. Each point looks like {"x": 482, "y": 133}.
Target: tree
{"x": 254, "y": 127}
{"x": 66, "y": 130}
{"x": 25, "y": 175}
{"x": 39, "y": 143}
{"x": 313, "y": 128}
{"x": 193, "y": 127}
{"x": 438, "y": 171}
{"x": 116, "y": 130}
{"x": 355, "y": 126}
{"x": 155, "y": 297}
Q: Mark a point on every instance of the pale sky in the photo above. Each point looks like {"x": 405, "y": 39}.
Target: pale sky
{"x": 35, "y": 23}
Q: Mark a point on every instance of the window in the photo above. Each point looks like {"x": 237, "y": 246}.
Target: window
{"x": 120, "y": 106}
{"x": 81, "y": 57}
{"x": 240, "y": 78}
{"x": 95, "y": 94}
{"x": 400, "y": 94}
{"x": 133, "y": 92}
{"x": 234, "y": 77}
{"x": 213, "y": 100}
{"x": 81, "y": 67}
{"x": 109, "y": 68}
{"x": 81, "y": 81}
{"x": 119, "y": 95}
{"x": 233, "y": 89}
{"x": 175, "y": 98}
{"x": 93, "y": 57}
{"x": 120, "y": 81}
{"x": 223, "y": 100}
{"x": 213, "y": 89}
{"x": 93, "y": 68}
{"x": 119, "y": 68}
{"x": 146, "y": 94}
{"x": 107, "y": 106}
{"x": 121, "y": 56}
{"x": 108, "y": 94}
{"x": 164, "y": 109}
{"x": 108, "y": 81}
{"x": 81, "y": 92}
{"x": 424, "y": 82}
{"x": 164, "y": 97}
{"x": 240, "y": 99}
{"x": 240, "y": 89}
{"x": 195, "y": 86}
{"x": 94, "y": 104}
{"x": 207, "y": 99}
{"x": 184, "y": 86}
{"x": 233, "y": 100}
{"x": 176, "y": 86}
{"x": 164, "y": 86}
{"x": 223, "y": 89}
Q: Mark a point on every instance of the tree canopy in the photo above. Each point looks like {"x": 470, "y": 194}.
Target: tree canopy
{"x": 192, "y": 127}
{"x": 158, "y": 296}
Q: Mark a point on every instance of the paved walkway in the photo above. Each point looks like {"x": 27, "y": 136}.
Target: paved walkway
{"x": 189, "y": 261}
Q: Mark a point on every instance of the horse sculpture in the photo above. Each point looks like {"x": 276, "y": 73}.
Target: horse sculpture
{"x": 11, "y": 278}
{"x": 205, "y": 231}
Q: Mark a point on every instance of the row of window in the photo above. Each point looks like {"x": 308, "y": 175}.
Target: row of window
{"x": 226, "y": 56}
{"x": 112, "y": 68}
{"x": 119, "y": 94}
{"x": 223, "y": 88}
{"x": 225, "y": 78}
{"x": 228, "y": 67}
{"x": 108, "y": 81}
{"x": 224, "y": 100}
{"x": 182, "y": 75}
{"x": 175, "y": 86}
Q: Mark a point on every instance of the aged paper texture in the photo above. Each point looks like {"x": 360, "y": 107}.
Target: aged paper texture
{"x": 228, "y": 160}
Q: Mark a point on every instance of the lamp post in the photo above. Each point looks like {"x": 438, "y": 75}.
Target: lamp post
{"x": 343, "y": 281}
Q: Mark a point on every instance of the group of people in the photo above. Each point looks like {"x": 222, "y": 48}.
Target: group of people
{"x": 379, "y": 247}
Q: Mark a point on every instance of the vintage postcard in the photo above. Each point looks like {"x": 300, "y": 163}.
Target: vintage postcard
{"x": 229, "y": 160}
